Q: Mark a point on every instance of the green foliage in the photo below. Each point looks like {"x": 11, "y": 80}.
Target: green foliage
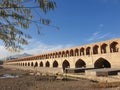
{"x": 16, "y": 16}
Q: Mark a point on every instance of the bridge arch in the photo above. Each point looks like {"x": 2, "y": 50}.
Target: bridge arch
{"x": 82, "y": 51}
{"x": 63, "y": 54}
{"x": 46, "y": 56}
{"x": 21, "y": 64}
{"x": 71, "y": 52}
{"x": 80, "y": 64}
{"x": 102, "y": 63}
{"x": 88, "y": 51}
{"x": 28, "y": 64}
{"x": 95, "y": 49}
{"x": 56, "y": 55}
{"x": 50, "y": 55}
{"x": 103, "y": 48}
{"x": 67, "y": 53}
{"x": 36, "y": 64}
{"x": 32, "y": 64}
{"x": 59, "y": 54}
{"x": 41, "y": 64}
{"x": 76, "y": 52}
{"x": 65, "y": 64}
{"x": 47, "y": 64}
{"x": 113, "y": 47}
{"x": 25, "y": 64}
{"x": 55, "y": 64}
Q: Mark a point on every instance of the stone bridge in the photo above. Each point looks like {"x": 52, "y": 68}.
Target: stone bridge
{"x": 105, "y": 54}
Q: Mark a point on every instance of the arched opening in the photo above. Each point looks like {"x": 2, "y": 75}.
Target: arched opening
{"x": 53, "y": 55}
{"x": 55, "y": 64}
{"x": 95, "y": 49}
{"x": 56, "y": 55}
{"x": 82, "y": 51}
{"x": 46, "y": 56}
{"x": 102, "y": 63}
{"x": 28, "y": 64}
{"x": 50, "y": 55}
{"x": 103, "y": 48}
{"x": 47, "y": 64}
{"x": 41, "y": 64}
{"x": 67, "y": 53}
{"x": 76, "y": 52}
{"x": 63, "y": 53}
{"x": 32, "y": 64}
{"x": 43, "y": 57}
{"x": 113, "y": 47}
{"x": 65, "y": 64}
{"x": 71, "y": 53}
{"x": 59, "y": 55}
{"x": 80, "y": 64}
{"x": 25, "y": 64}
{"x": 36, "y": 64}
{"x": 88, "y": 51}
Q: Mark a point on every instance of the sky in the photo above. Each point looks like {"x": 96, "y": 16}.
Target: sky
{"x": 80, "y": 22}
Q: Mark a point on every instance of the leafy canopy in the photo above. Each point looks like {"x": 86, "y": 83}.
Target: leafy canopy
{"x": 16, "y": 16}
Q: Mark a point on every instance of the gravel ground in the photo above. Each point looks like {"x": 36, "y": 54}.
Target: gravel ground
{"x": 31, "y": 82}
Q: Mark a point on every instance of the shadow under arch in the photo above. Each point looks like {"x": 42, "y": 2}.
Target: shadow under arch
{"x": 32, "y": 64}
{"x": 47, "y": 64}
{"x": 41, "y": 64}
{"x": 36, "y": 64}
{"x": 80, "y": 64}
{"x": 65, "y": 64}
{"x": 113, "y": 47}
{"x": 23, "y": 64}
{"x": 102, "y": 63}
{"x": 55, "y": 64}
{"x": 28, "y": 64}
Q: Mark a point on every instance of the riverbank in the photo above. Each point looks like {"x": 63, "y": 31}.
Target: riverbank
{"x": 28, "y": 81}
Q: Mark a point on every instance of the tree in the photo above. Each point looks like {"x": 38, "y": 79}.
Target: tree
{"x": 17, "y": 15}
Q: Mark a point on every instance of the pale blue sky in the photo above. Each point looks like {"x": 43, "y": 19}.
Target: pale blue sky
{"x": 80, "y": 22}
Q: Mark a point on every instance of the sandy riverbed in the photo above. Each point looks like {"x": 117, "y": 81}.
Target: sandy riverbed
{"x": 31, "y": 82}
